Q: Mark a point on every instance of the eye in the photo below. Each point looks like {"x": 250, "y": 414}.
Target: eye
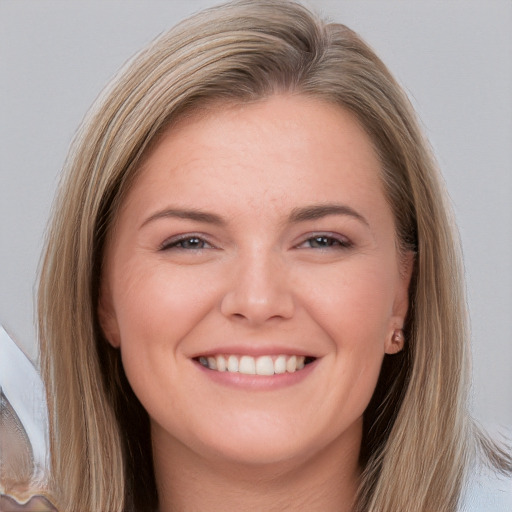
{"x": 325, "y": 241}
{"x": 186, "y": 242}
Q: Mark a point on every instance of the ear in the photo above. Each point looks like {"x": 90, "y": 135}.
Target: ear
{"x": 395, "y": 340}
{"x": 107, "y": 316}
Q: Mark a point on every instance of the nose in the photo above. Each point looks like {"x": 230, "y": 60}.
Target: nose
{"x": 259, "y": 291}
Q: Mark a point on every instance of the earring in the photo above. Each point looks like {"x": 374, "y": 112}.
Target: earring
{"x": 398, "y": 337}
{"x": 397, "y": 342}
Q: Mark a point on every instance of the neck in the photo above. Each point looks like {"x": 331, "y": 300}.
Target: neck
{"x": 324, "y": 482}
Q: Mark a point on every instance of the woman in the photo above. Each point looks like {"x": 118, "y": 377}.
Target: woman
{"x": 253, "y": 257}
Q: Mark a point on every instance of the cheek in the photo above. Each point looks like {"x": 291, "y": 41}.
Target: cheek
{"x": 354, "y": 307}
{"x": 155, "y": 310}
{"x": 157, "y": 306}
{"x": 353, "y": 303}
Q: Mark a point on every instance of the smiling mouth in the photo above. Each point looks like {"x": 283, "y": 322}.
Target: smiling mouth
{"x": 248, "y": 365}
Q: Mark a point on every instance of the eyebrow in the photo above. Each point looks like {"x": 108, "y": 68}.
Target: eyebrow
{"x": 191, "y": 214}
{"x": 297, "y": 215}
{"x": 323, "y": 210}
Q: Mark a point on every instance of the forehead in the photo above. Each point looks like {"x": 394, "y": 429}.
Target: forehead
{"x": 283, "y": 150}
{"x": 283, "y": 129}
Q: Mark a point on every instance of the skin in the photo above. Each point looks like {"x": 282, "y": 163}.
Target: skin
{"x": 261, "y": 278}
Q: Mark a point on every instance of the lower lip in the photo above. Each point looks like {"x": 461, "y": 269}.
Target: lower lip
{"x": 258, "y": 382}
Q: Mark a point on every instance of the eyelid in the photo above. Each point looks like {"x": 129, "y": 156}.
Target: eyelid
{"x": 173, "y": 241}
{"x": 344, "y": 241}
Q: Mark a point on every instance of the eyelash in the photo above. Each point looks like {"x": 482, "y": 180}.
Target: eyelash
{"x": 177, "y": 243}
{"x": 330, "y": 242}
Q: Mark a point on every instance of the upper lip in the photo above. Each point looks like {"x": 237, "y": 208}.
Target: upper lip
{"x": 254, "y": 351}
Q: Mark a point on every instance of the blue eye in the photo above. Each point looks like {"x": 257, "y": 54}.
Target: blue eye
{"x": 325, "y": 242}
{"x": 186, "y": 243}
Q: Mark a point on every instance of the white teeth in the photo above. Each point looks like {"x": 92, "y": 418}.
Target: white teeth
{"x": 221, "y": 364}
{"x": 280, "y": 364}
{"x": 263, "y": 365}
{"x": 247, "y": 365}
{"x": 291, "y": 364}
{"x": 232, "y": 364}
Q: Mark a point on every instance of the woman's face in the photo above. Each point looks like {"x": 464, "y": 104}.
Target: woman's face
{"x": 257, "y": 239}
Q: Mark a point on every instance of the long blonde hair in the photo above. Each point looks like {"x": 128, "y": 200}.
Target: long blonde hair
{"x": 418, "y": 439}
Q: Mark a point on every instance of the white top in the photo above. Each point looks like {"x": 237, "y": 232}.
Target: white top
{"x": 488, "y": 492}
{"x": 21, "y": 384}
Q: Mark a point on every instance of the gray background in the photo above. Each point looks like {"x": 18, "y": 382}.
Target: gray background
{"x": 453, "y": 58}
